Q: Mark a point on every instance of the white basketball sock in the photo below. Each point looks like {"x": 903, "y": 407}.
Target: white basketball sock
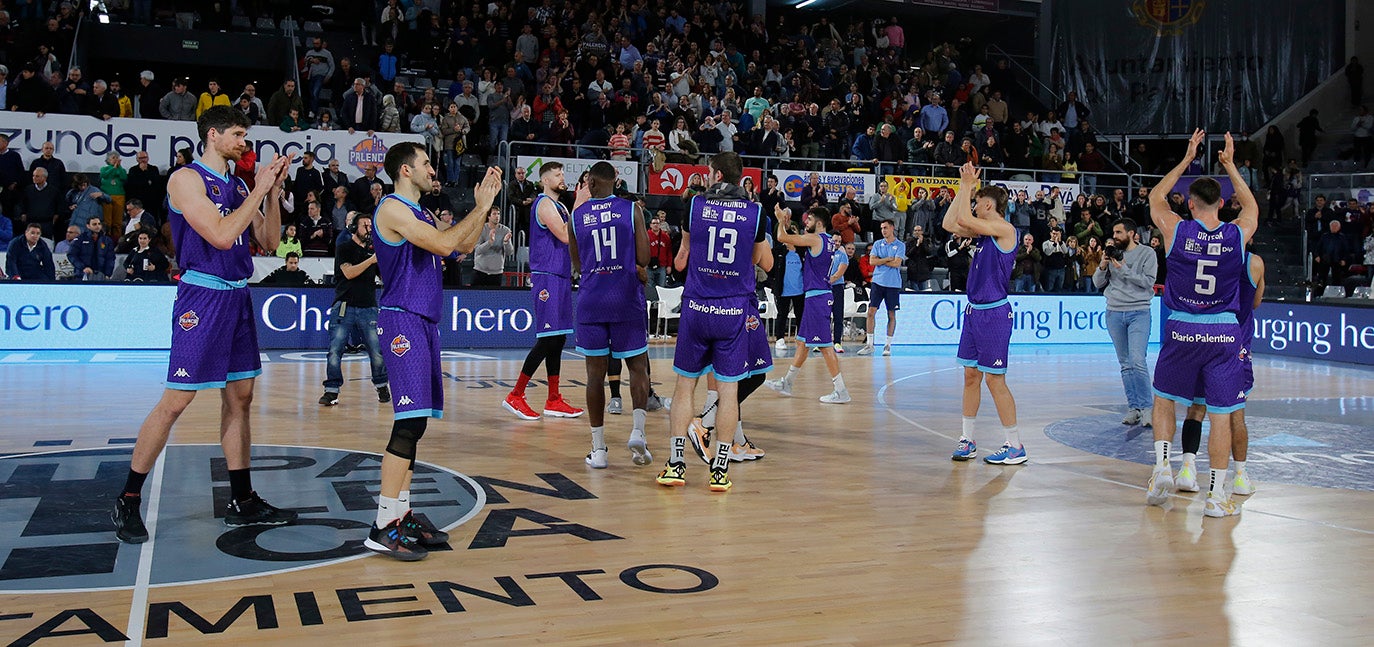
{"x": 388, "y": 510}
{"x": 967, "y": 431}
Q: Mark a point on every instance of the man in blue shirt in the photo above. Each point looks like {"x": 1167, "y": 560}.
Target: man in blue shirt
{"x": 887, "y": 257}
{"x": 934, "y": 119}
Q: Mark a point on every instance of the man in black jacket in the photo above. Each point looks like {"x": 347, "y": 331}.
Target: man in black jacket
{"x": 28, "y": 257}
{"x": 1330, "y": 257}
{"x": 146, "y": 185}
{"x": 920, "y": 256}
{"x": 40, "y": 203}
{"x": 359, "y": 112}
{"x": 1073, "y": 111}
{"x": 29, "y": 93}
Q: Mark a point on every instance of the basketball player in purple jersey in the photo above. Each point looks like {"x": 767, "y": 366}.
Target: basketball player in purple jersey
{"x": 816, "y": 330}
{"x": 214, "y": 333}
{"x": 1201, "y": 353}
{"x": 551, "y": 283}
{"x": 722, "y": 239}
{"x": 410, "y": 250}
{"x": 609, "y": 245}
{"x": 986, "y": 336}
{"x": 1251, "y": 296}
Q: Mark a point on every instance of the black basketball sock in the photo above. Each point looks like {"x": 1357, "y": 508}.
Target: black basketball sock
{"x": 240, "y": 484}
{"x": 133, "y": 485}
{"x": 1192, "y": 436}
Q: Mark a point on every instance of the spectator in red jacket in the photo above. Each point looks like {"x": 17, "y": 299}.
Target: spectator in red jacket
{"x": 846, "y": 223}
{"x": 660, "y": 251}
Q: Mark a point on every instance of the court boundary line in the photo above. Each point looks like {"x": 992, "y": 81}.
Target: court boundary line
{"x": 138, "y": 605}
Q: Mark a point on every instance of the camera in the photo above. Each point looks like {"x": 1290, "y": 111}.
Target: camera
{"x": 1115, "y": 253}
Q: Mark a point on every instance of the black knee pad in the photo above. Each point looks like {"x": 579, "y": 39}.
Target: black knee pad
{"x": 405, "y": 434}
{"x": 748, "y": 385}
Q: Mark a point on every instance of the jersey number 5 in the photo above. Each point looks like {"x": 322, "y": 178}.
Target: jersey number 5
{"x": 1206, "y": 283}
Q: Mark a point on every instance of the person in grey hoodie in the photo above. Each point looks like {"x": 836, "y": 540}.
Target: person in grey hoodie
{"x": 884, "y": 208}
{"x": 489, "y": 256}
{"x": 178, "y": 105}
{"x": 1127, "y": 278}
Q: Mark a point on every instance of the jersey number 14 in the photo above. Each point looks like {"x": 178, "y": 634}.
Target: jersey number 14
{"x": 604, "y": 238}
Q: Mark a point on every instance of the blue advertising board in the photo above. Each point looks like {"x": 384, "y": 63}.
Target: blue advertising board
{"x": 92, "y": 317}
{"x": 1331, "y": 333}
{"x": 929, "y": 318}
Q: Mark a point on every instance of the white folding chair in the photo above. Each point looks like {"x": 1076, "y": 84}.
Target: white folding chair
{"x": 669, "y": 299}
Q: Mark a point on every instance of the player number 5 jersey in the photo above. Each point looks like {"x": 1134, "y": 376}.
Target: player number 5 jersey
{"x": 1205, "y": 269}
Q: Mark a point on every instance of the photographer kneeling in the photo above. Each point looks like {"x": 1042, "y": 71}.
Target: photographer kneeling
{"x": 1126, "y": 276}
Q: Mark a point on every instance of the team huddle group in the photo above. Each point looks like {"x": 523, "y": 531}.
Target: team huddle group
{"x": 602, "y": 240}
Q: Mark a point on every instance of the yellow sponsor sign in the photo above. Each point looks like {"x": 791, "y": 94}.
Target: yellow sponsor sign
{"x": 905, "y": 187}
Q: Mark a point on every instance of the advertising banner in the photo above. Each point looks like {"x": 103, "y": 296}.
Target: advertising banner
{"x": 573, "y": 168}
{"x": 1171, "y": 67}
{"x": 791, "y": 183}
{"x": 932, "y": 319}
{"x": 1330, "y": 333}
{"x": 82, "y": 142}
{"x": 1067, "y": 192}
{"x": 97, "y": 317}
{"x": 905, "y": 188}
{"x": 675, "y": 178}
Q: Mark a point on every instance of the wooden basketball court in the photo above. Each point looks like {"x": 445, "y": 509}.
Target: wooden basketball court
{"x": 856, "y": 529}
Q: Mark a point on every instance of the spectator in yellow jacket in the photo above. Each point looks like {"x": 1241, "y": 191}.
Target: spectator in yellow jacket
{"x": 211, "y": 98}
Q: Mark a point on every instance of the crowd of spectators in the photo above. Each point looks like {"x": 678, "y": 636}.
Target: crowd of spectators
{"x": 1340, "y": 236}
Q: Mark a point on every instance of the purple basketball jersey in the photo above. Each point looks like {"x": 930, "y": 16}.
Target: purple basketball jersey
{"x": 721, "y": 258}
{"x": 816, "y": 267}
{"x": 548, "y": 254}
{"x": 193, "y": 251}
{"x": 1246, "y": 304}
{"x": 989, "y": 271}
{"x": 1205, "y": 269}
{"x": 610, "y": 288}
{"x": 412, "y": 278}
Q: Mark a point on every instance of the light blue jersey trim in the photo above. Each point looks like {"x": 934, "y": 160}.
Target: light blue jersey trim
{"x": 1176, "y": 398}
{"x": 1173, "y": 239}
{"x": 692, "y": 374}
{"x": 999, "y": 247}
{"x": 242, "y": 375}
{"x": 211, "y": 171}
{"x": 212, "y": 282}
{"x": 598, "y": 352}
{"x": 1231, "y": 409}
{"x": 733, "y": 378}
{"x": 817, "y": 293}
{"x": 1217, "y": 318}
{"x": 420, "y": 413}
{"x": 973, "y": 363}
{"x": 830, "y": 345}
{"x": 555, "y": 333}
{"x": 199, "y": 386}
{"x": 631, "y": 353}
{"x": 376, "y": 232}
{"x": 988, "y": 306}
{"x": 1248, "y": 275}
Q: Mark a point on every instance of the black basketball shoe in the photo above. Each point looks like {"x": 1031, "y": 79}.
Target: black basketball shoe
{"x": 128, "y": 522}
{"x": 253, "y": 511}
{"x": 394, "y": 542}
{"x": 424, "y": 532}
